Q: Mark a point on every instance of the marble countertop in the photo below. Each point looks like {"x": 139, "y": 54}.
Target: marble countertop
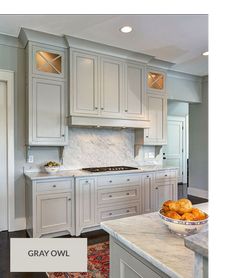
{"x": 81, "y": 173}
{"x": 198, "y": 243}
{"x": 150, "y": 238}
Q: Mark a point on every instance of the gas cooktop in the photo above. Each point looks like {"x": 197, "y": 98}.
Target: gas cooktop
{"x": 109, "y": 168}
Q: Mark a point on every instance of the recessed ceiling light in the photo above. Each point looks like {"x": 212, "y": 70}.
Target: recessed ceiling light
{"x": 126, "y": 29}
{"x": 205, "y": 53}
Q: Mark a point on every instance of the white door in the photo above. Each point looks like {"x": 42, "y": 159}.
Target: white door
{"x": 174, "y": 151}
{"x": 3, "y": 156}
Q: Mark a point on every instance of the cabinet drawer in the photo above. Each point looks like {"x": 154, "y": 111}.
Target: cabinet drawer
{"x": 118, "y": 194}
{"x": 165, "y": 175}
{"x": 53, "y": 185}
{"x": 118, "y": 179}
{"x": 118, "y": 211}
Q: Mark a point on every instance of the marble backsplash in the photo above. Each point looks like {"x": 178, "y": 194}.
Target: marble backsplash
{"x": 96, "y": 147}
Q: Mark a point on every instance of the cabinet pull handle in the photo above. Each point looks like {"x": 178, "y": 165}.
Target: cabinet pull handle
{"x": 110, "y": 213}
{"x": 110, "y": 181}
{"x": 110, "y": 196}
{"x": 127, "y": 193}
{"x": 54, "y": 185}
{"x": 127, "y": 210}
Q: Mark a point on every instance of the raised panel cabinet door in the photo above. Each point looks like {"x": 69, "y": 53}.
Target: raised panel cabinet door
{"x": 84, "y": 84}
{"x": 157, "y": 114}
{"x": 54, "y": 213}
{"x": 85, "y": 203}
{"x": 147, "y": 180}
{"x": 111, "y": 87}
{"x": 47, "y": 113}
{"x": 134, "y": 91}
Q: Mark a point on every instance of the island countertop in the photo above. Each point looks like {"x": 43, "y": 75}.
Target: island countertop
{"x": 147, "y": 236}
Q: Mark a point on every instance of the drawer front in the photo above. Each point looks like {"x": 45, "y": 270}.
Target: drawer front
{"x": 119, "y": 179}
{"x": 165, "y": 175}
{"x": 118, "y": 211}
{"x": 118, "y": 194}
{"x": 54, "y": 185}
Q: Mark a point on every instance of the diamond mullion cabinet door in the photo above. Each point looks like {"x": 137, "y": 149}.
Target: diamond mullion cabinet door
{"x": 84, "y": 86}
{"x": 46, "y": 118}
{"x": 112, "y": 87}
{"x": 48, "y": 61}
{"x": 155, "y": 80}
{"x": 147, "y": 183}
{"x": 54, "y": 213}
{"x": 85, "y": 204}
{"x": 134, "y": 91}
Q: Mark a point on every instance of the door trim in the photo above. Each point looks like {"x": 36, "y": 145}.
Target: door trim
{"x": 8, "y": 77}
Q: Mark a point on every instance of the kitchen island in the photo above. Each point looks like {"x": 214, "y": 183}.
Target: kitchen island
{"x": 142, "y": 246}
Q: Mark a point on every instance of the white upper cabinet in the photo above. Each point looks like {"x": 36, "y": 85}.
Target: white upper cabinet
{"x": 112, "y": 87}
{"x": 134, "y": 91}
{"x": 83, "y": 84}
{"x": 48, "y": 114}
{"x": 46, "y": 95}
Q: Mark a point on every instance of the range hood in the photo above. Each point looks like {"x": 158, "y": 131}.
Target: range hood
{"x": 105, "y": 122}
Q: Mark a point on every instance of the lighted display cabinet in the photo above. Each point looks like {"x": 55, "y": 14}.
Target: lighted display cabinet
{"x": 46, "y": 95}
{"x": 155, "y": 80}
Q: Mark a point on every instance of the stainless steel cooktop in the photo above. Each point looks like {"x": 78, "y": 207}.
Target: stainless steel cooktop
{"x": 109, "y": 168}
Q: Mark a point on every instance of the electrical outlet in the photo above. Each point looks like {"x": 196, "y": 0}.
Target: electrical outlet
{"x": 30, "y": 159}
{"x": 151, "y": 155}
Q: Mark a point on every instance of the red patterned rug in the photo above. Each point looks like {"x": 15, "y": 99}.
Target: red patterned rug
{"x": 98, "y": 264}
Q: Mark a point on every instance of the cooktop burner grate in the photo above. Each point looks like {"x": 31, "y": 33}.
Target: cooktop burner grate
{"x": 109, "y": 168}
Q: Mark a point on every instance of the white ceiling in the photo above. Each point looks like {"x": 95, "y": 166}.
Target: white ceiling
{"x": 179, "y": 39}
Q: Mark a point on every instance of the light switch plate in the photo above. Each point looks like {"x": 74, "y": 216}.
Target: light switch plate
{"x": 30, "y": 159}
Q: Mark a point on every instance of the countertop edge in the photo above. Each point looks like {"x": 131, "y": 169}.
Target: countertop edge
{"x": 198, "y": 243}
{"x": 141, "y": 253}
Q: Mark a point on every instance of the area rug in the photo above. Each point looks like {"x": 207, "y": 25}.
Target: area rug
{"x": 98, "y": 264}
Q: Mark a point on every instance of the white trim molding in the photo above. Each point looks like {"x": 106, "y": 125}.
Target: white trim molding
{"x": 8, "y": 77}
{"x": 198, "y": 192}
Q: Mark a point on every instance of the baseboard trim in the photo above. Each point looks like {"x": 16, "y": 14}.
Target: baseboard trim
{"x": 198, "y": 192}
{"x": 19, "y": 224}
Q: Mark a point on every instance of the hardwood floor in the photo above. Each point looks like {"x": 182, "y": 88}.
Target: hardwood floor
{"x": 93, "y": 238}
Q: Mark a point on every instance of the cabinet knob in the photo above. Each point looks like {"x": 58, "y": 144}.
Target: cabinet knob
{"x": 110, "y": 181}
{"x": 86, "y": 181}
{"x": 128, "y": 179}
{"x": 127, "y": 193}
{"x": 126, "y": 110}
{"x": 95, "y": 108}
{"x": 156, "y": 187}
{"x": 127, "y": 210}
{"x": 69, "y": 199}
{"x": 110, "y": 213}
{"x": 63, "y": 135}
{"x": 166, "y": 175}
{"x": 164, "y": 157}
{"x": 54, "y": 185}
{"x": 147, "y": 176}
{"x": 102, "y": 108}
{"x": 146, "y": 136}
{"x": 110, "y": 196}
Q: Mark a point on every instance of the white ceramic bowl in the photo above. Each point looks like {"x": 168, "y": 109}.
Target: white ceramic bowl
{"x": 52, "y": 169}
{"x": 183, "y": 228}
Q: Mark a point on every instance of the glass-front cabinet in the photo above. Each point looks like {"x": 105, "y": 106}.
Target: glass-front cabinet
{"x": 155, "y": 80}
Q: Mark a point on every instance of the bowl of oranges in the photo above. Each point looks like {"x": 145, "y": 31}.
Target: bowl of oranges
{"x": 182, "y": 218}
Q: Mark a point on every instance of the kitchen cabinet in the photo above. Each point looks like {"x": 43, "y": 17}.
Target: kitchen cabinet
{"x": 157, "y": 114}
{"x": 155, "y": 80}
{"x": 85, "y": 203}
{"x": 84, "y": 86}
{"x": 147, "y": 190}
{"x": 46, "y": 95}
{"x": 50, "y": 207}
{"x": 134, "y": 91}
{"x": 47, "y": 113}
{"x": 112, "y": 87}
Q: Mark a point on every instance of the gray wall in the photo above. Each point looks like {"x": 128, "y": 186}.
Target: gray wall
{"x": 13, "y": 58}
{"x": 198, "y": 141}
{"x": 176, "y": 108}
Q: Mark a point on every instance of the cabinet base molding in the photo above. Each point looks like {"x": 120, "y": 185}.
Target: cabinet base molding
{"x": 105, "y": 122}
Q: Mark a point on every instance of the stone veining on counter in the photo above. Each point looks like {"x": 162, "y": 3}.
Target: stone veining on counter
{"x": 147, "y": 236}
